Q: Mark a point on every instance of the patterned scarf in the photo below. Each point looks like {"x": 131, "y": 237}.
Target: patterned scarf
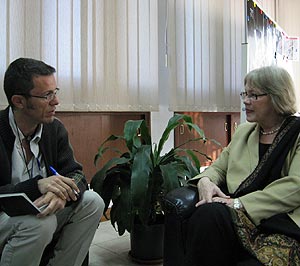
{"x": 272, "y": 249}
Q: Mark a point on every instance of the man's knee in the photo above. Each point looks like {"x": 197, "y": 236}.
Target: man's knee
{"x": 93, "y": 202}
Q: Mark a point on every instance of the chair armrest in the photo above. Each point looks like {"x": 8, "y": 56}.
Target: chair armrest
{"x": 179, "y": 205}
{"x": 181, "y": 201}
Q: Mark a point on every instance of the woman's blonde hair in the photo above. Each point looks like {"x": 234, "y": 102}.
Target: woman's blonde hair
{"x": 276, "y": 82}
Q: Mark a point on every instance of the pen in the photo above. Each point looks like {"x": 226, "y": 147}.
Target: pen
{"x": 56, "y": 173}
{"x": 53, "y": 170}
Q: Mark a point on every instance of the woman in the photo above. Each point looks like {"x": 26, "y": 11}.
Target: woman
{"x": 255, "y": 218}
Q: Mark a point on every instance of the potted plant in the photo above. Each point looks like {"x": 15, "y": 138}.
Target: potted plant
{"x": 137, "y": 181}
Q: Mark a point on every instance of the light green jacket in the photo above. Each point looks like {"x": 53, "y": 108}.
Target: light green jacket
{"x": 240, "y": 158}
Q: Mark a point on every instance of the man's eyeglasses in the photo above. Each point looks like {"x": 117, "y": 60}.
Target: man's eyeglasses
{"x": 251, "y": 96}
{"x": 48, "y": 96}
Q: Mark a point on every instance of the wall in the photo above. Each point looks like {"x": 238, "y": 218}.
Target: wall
{"x": 286, "y": 14}
{"x": 288, "y": 18}
{"x": 87, "y": 130}
{"x": 269, "y": 6}
{"x": 160, "y": 119}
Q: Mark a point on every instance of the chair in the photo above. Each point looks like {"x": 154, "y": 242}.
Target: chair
{"x": 179, "y": 206}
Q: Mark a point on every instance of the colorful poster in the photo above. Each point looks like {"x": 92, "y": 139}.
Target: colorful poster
{"x": 267, "y": 42}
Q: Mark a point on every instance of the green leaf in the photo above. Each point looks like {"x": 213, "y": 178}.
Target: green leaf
{"x": 196, "y": 128}
{"x": 102, "y": 149}
{"x": 194, "y": 158}
{"x": 191, "y": 170}
{"x": 144, "y": 133}
{"x": 141, "y": 177}
{"x": 168, "y": 173}
{"x": 173, "y": 123}
{"x": 121, "y": 213}
{"x": 130, "y": 133}
{"x": 137, "y": 180}
{"x": 97, "y": 179}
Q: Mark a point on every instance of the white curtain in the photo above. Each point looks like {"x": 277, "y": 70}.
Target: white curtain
{"x": 204, "y": 46}
{"x": 104, "y": 51}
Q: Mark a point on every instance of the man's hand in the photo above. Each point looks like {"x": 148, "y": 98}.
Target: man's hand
{"x": 61, "y": 186}
{"x": 53, "y": 204}
{"x": 207, "y": 190}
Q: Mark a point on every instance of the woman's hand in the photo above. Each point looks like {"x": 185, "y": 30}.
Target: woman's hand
{"x": 207, "y": 190}
{"x": 226, "y": 201}
{"x": 63, "y": 187}
{"x": 52, "y": 202}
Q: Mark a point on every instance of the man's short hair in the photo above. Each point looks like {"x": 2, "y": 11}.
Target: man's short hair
{"x": 18, "y": 78}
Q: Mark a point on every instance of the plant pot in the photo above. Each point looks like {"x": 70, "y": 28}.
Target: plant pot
{"x": 147, "y": 243}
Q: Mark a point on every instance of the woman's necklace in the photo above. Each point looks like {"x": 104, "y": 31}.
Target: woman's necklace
{"x": 269, "y": 132}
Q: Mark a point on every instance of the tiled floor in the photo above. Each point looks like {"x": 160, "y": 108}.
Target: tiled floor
{"x": 110, "y": 249}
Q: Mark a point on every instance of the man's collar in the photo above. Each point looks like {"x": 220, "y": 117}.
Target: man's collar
{"x": 35, "y": 137}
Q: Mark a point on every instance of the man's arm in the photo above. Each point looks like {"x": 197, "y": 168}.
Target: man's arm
{"x": 58, "y": 153}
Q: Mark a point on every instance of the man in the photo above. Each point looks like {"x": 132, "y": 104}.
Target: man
{"x": 34, "y": 145}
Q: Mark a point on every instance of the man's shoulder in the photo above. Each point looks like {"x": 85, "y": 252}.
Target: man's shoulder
{"x": 4, "y": 114}
{"x": 58, "y": 122}
{"x": 5, "y": 129}
{"x": 55, "y": 123}
{"x": 54, "y": 128}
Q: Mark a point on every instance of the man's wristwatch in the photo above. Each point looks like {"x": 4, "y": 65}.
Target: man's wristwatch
{"x": 237, "y": 205}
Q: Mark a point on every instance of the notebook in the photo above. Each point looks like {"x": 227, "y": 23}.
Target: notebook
{"x": 15, "y": 204}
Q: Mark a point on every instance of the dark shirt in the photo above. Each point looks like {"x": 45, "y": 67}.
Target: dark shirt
{"x": 262, "y": 149}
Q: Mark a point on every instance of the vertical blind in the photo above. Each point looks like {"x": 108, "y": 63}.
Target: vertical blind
{"x": 204, "y": 45}
{"x": 104, "y": 51}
